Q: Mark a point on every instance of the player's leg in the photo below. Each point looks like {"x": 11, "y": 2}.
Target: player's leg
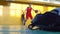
{"x": 30, "y": 16}
{"x": 26, "y": 18}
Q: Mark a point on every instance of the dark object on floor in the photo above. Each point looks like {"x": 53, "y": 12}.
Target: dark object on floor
{"x": 49, "y": 21}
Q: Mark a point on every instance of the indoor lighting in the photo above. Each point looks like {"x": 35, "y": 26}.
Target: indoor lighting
{"x": 1, "y": 10}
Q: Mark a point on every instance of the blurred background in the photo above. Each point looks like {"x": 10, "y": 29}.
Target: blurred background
{"x": 11, "y": 12}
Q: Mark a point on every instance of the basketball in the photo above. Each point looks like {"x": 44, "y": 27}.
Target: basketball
{"x": 36, "y": 11}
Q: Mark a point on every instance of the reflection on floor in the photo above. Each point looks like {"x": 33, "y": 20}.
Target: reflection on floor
{"x": 17, "y": 29}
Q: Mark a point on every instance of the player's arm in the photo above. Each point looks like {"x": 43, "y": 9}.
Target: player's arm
{"x": 33, "y": 9}
{"x": 25, "y": 10}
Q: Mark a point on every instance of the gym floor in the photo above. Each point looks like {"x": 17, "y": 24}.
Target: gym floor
{"x": 20, "y": 29}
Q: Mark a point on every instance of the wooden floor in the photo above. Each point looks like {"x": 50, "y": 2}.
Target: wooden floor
{"x": 20, "y": 29}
